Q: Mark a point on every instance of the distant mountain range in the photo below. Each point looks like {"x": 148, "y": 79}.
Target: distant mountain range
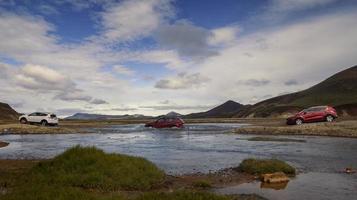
{"x": 339, "y": 91}
{"x": 88, "y": 116}
{"x": 7, "y": 113}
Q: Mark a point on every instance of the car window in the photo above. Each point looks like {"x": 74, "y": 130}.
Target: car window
{"x": 160, "y": 120}
{"x": 42, "y": 114}
{"x": 308, "y": 110}
{"x": 33, "y": 114}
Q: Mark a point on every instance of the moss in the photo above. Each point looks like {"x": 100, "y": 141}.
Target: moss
{"x": 262, "y": 166}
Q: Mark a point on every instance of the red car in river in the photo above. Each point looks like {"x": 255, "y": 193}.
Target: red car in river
{"x": 313, "y": 114}
{"x": 166, "y": 122}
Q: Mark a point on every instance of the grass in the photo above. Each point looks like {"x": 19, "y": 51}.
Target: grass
{"x": 262, "y": 166}
{"x": 274, "y": 139}
{"x": 203, "y": 184}
{"x": 81, "y": 169}
{"x": 89, "y": 167}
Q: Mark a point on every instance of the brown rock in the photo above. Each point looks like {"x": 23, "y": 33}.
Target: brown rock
{"x": 277, "y": 177}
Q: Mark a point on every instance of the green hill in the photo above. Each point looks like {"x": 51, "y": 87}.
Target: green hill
{"x": 339, "y": 90}
{"x": 7, "y": 113}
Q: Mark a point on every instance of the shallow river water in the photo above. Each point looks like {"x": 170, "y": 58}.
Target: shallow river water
{"x": 210, "y": 147}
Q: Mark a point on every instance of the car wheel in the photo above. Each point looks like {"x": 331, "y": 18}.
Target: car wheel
{"x": 298, "y": 121}
{"x": 329, "y": 118}
{"x": 23, "y": 121}
{"x": 43, "y": 123}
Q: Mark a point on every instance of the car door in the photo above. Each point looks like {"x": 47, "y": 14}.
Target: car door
{"x": 160, "y": 123}
{"x": 308, "y": 115}
{"x": 319, "y": 114}
{"x": 38, "y": 117}
{"x": 32, "y": 117}
{"x": 170, "y": 122}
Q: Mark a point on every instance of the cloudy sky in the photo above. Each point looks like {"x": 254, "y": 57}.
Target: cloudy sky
{"x": 154, "y": 56}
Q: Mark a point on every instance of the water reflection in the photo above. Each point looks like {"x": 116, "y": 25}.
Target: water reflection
{"x": 274, "y": 186}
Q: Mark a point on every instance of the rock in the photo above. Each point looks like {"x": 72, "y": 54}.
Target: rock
{"x": 349, "y": 170}
{"x": 277, "y": 177}
{"x": 274, "y": 186}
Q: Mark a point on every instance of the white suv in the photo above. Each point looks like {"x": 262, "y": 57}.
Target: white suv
{"x": 41, "y": 118}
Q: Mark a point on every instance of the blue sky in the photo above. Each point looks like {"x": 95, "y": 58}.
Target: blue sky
{"x": 154, "y": 56}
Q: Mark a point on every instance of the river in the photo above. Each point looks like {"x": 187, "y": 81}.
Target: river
{"x": 210, "y": 147}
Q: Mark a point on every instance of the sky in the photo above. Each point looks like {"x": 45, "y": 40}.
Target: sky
{"x": 155, "y": 56}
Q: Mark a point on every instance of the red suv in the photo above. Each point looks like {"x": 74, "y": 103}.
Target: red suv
{"x": 166, "y": 122}
{"x": 313, "y": 114}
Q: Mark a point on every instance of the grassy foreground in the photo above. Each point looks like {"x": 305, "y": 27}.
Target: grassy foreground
{"x": 262, "y": 166}
{"x": 83, "y": 173}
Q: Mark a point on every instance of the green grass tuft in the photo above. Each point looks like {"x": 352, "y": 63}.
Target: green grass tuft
{"x": 262, "y": 166}
{"x": 81, "y": 169}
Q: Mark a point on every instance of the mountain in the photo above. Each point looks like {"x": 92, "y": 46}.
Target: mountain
{"x": 228, "y": 109}
{"x": 339, "y": 91}
{"x": 7, "y": 113}
{"x": 87, "y": 116}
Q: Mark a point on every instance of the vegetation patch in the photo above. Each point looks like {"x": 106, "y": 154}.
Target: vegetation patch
{"x": 274, "y": 139}
{"x": 263, "y": 166}
{"x": 203, "y": 184}
{"x": 87, "y": 173}
{"x": 89, "y": 167}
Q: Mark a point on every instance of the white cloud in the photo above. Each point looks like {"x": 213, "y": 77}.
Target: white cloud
{"x": 123, "y": 70}
{"x": 98, "y": 101}
{"x": 40, "y": 78}
{"x": 182, "y": 81}
{"x": 254, "y": 82}
{"x": 224, "y": 35}
{"x": 129, "y": 20}
{"x": 169, "y": 58}
{"x": 75, "y": 95}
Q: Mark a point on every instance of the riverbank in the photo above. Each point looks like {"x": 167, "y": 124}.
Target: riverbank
{"x": 35, "y": 129}
{"x": 256, "y": 126}
{"x": 343, "y": 128}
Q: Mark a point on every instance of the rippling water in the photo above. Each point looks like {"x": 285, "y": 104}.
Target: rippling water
{"x": 209, "y": 147}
